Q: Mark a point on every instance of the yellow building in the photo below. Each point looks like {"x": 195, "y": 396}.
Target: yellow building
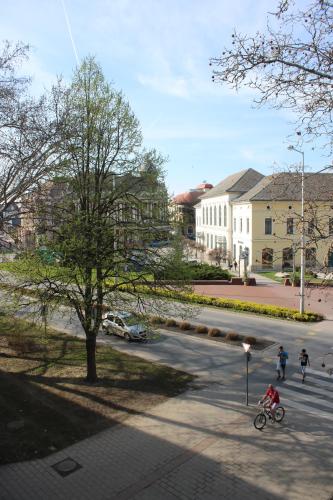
{"x": 263, "y": 226}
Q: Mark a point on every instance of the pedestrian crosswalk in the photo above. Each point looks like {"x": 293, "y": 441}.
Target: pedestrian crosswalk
{"x": 315, "y": 396}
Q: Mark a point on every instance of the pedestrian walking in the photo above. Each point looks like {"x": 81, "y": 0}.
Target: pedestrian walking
{"x": 305, "y": 361}
{"x": 281, "y": 363}
{"x": 235, "y": 265}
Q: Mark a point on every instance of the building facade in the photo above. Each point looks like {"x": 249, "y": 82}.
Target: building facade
{"x": 261, "y": 226}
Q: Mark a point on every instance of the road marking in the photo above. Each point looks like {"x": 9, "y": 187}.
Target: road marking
{"x": 320, "y": 373}
{"x": 305, "y": 397}
{"x": 322, "y": 383}
{"x": 308, "y": 409}
{"x": 306, "y": 387}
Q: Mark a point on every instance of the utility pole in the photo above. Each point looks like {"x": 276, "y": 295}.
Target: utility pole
{"x": 302, "y": 284}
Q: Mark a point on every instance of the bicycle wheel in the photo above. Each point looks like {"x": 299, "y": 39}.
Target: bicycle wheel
{"x": 279, "y": 414}
{"x": 260, "y": 421}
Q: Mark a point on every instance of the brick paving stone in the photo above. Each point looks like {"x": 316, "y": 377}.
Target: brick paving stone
{"x": 187, "y": 448}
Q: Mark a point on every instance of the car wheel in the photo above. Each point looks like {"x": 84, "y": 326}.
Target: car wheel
{"x": 127, "y": 337}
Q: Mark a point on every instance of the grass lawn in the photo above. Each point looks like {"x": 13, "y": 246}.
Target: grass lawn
{"x": 45, "y": 405}
{"x": 308, "y": 278}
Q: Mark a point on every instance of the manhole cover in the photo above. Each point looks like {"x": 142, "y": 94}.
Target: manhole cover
{"x": 66, "y": 467}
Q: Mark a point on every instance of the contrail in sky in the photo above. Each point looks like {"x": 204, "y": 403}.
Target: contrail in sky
{"x": 70, "y": 32}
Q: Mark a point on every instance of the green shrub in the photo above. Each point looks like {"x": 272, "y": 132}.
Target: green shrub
{"x": 193, "y": 271}
{"x": 250, "y": 340}
{"x": 157, "y": 320}
{"x": 184, "y": 325}
{"x": 214, "y": 332}
{"x": 233, "y": 336}
{"x": 171, "y": 322}
{"x": 201, "y": 329}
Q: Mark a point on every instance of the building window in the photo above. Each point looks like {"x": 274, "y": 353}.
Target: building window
{"x": 241, "y": 225}
{"x": 330, "y": 225}
{"x": 215, "y": 241}
{"x": 207, "y": 240}
{"x": 268, "y": 226}
{"x": 210, "y": 216}
{"x": 207, "y": 216}
{"x": 211, "y": 241}
{"x": 225, "y": 215}
{"x": 267, "y": 258}
{"x": 235, "y": 224}
{"x": 220, "y": 216}
{"x": 214, "y": 216}
{"x": 310, "y": 257}
{"x": 247, "y": 225}
{"x": 290, "y": 225}
{"x": 287, "y": 258}
{"x": 203, "y": 216}
{"x": 234, "y": 251}
{"x": 311, "y": 226}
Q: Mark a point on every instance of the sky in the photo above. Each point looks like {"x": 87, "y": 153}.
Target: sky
{"x": 157, "y": 52}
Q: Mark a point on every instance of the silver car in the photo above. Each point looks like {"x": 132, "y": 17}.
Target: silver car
{"x": 124, "y": 325}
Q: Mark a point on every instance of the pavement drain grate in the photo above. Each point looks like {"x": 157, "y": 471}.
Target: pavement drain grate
{"x": 66, "y": 467}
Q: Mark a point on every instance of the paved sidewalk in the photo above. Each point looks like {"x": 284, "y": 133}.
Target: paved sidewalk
{"x": 200, "y": 445}
{"x": 316, "y": 299}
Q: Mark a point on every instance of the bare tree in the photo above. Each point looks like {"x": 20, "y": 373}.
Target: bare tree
{"x": 289, "y": 65}
{"x": 27, "y": 133}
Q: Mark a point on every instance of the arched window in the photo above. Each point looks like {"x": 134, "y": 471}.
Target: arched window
{"x": 287, "y": 258}
{"x": 225, "y": 215}
{"x": 310, "y": 257}
{"x": 267, "y": 258}
{"x": 220, "y": 215}
{"x": 210, "y": 216}
{"x": 224, "y": 245}
{"x": 214, "y": 216}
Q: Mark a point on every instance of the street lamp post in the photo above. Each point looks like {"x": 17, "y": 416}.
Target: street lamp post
{"x": 302, "y": 281}
{"x": 247, "y": 357}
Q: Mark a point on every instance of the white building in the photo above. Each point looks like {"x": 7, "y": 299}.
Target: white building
{"x": 218, "y": 225}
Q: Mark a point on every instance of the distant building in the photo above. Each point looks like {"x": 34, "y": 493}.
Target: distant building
{"x": 182, "y": 209}
{"x": 256, "y": 219}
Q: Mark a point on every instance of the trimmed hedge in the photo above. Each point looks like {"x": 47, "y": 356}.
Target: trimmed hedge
{"x": 236, "y": 305}
{"x": 193, "y": 271}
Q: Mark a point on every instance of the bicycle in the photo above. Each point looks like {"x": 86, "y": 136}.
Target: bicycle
{"x": 261, "y": 419}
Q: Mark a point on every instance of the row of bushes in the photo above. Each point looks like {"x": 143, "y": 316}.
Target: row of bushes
{"x": 193, "y": 271}
{"x": 211, "y": 332}
{"x": 236, "y": 305}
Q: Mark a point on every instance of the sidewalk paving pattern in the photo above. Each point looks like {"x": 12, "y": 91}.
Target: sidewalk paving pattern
{"x": 200, "y": 445}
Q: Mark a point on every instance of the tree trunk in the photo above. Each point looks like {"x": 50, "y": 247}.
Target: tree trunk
{"x": 91, "y": 358}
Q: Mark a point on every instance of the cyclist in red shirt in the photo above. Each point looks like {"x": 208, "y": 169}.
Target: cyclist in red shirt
{"x": 272, "y": 399}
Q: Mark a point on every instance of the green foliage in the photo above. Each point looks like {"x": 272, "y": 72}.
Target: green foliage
{"x": 250, "y": 340}
{"x": 171, "y": 322}
{"x": 233, "y": 336}
{"x": 184, "y": 325}
{"x": 193, "y": 271}
{"x": 201, "y": 329}
{"x": 214, "y": 332}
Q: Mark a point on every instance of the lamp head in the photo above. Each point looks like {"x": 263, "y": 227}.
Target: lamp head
{"x": 246, "y": 346}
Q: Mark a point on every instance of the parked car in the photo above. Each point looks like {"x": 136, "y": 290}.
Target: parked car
{"x": 124, "y": 325}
